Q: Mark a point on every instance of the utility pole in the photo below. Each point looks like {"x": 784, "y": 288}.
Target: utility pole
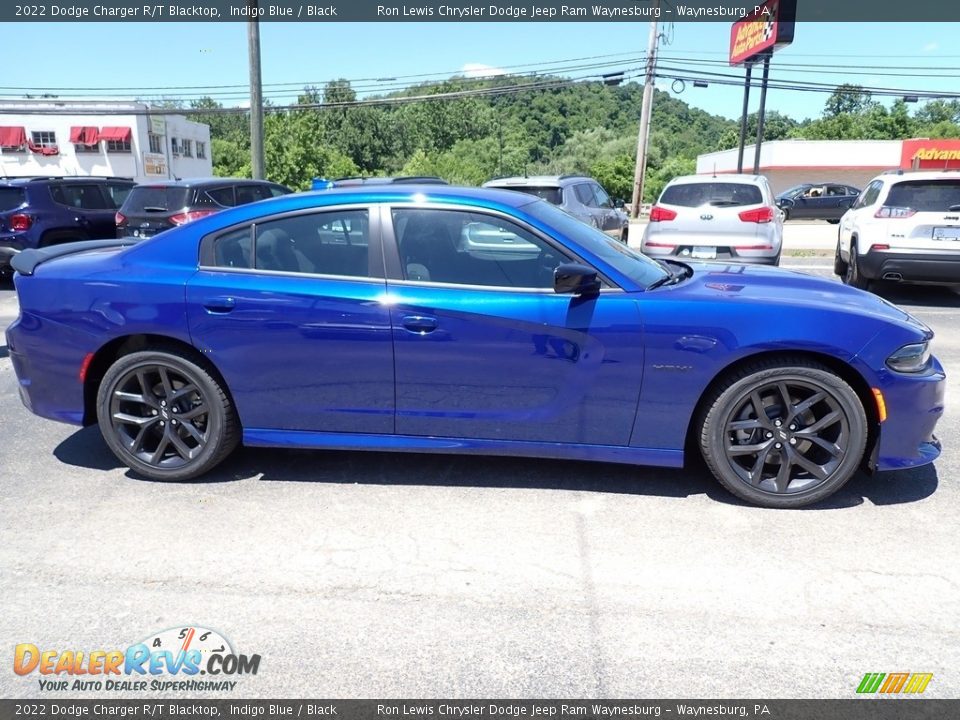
{"x": 256, "y": 92}
{"x": 645, "y": 109}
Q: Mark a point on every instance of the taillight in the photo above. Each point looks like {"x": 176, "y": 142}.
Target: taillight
{"x": 20, "y": 222}
{"x": 894, "y": 213}
{"x": 119, "y": 218}
{"x": 661, "y": 214}
{"x": 758, "y": 215}
{"x": 878, "y": 246}
{"x": 189, "y": 216}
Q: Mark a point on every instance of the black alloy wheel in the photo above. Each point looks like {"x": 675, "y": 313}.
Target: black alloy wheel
{"x": 784, "y": 435}
{"x": 165, "y": 416}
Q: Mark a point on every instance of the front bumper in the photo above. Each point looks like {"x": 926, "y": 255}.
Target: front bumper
{"x": 914, "y": 406}
{"x": 911, "y": 266}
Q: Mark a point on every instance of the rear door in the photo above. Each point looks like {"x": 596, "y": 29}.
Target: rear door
{"x": 291, "y": 310}
{"x": 484, "y": 347}
{"x": 89, "y": 205}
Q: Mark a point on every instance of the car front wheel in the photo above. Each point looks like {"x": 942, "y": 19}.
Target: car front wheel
{"x": 784, "y": 434}
{"x": 165, "y": 416}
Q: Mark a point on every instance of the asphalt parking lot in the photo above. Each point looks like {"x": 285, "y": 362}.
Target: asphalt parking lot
{"x": 373, "y": 575}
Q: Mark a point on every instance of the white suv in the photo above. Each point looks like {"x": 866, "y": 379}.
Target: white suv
{"x": 905, "y": 226}
{"x": 724, "y": 218}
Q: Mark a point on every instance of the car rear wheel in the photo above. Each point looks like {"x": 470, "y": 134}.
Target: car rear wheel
{"x": 623, "y": 236}
{"x": 784, "y": 434}
{"x": 852, "y": 276}
{"x": 165, "y": 416}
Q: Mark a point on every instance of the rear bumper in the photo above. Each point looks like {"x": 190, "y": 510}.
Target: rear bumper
{"x": 8, "y": 248}
{"x": 723, "y": 254}
{"x": 910, "y": 266}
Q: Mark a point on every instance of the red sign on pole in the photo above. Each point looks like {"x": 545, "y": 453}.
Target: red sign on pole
{"x": 768, "y": 28}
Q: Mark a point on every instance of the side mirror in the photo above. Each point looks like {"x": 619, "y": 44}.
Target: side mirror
{"x": 619, "y": 204}
{"x": 575, "y": 279}
{"x": 784, "y": 203}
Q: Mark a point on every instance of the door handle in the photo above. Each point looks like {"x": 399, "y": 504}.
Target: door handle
{"x": 420, "y": 324}
{"x": 219, "y": 305}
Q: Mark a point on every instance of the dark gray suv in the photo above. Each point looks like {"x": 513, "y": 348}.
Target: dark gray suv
{"x": 581, "y": 196}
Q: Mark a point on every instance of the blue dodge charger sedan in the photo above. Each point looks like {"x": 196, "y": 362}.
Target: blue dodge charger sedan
{"x": 443, "y": 319}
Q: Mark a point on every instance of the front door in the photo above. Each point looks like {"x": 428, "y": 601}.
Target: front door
{"x": 486, "y": 349}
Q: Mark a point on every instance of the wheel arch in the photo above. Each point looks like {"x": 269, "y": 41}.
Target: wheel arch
{"x": 843, "y": 370}
{"x": 124, "y": 345}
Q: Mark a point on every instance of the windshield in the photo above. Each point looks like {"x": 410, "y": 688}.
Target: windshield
{"x": 712, "y": 193}
{"x": 636, "y": 266}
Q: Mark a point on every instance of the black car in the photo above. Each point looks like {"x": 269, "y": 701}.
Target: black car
{"x": 817, "y": 201}
{"x": 42, "y": 211}
{"x": 156, "y": 206}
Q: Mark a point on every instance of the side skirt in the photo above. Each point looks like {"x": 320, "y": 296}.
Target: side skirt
{"x": 408, "y": 443}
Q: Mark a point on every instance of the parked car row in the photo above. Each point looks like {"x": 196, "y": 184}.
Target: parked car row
{"x": 39, "y": 212}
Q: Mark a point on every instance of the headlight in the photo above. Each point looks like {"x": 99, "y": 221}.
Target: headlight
{"x": 912, "y": 358}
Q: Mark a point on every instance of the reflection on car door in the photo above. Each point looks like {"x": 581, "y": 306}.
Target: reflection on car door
{"x": 291, "y": 311}
{"x": 485, "y": 349}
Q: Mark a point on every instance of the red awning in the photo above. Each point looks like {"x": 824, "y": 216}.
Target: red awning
{"x": 11, "y": 137}
{"x": 84, "y": 135}
{"x": 117, "y": 134}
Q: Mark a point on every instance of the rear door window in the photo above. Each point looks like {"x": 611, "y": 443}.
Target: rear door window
{"x": 223, "y": 196}
{"x": 717, "y": 194}
{"x": 117, "y": 192}
{"x": 10, "y": 198}
{"x": 926, "y": 195}
{"x": 80, "y": 196}
{"x": 602, "y": 199}
{"x": 585, "y": 194}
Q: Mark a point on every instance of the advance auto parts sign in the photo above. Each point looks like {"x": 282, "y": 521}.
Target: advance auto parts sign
{"x": 769, "y": 27}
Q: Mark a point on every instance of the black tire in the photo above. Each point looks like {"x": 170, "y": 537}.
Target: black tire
{"x": 786, "y": 214}
{"x": 853, "y": 277}
{"x": 814, "y": 459}
{"x": 839, "y": 266}
{"x": 623, "y": 236}
{"x": 143, "y": 403}
{"x": 834, "y": 221}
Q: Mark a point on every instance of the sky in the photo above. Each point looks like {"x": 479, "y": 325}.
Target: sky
{"x": 172, "y": 59}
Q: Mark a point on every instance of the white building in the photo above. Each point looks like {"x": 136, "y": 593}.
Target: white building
{"x": 786, "y": 163}
{"x": 100, "y": 138}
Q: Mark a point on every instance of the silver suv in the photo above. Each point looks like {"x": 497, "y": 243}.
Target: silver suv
{"x": 905, "y": 226}
{"x": 580, "y": 196}
{"x": 725, "y": 218}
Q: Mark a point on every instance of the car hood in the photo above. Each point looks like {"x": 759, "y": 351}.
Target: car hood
{"x": 771, "y": 286}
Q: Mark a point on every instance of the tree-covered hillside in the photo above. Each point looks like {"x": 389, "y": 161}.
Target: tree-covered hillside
{"x": 470, "y": 130}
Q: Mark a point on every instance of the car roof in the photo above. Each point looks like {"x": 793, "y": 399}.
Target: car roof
{"x": 203, "y": 182}
{"x": 722, "y": 177}
{"x": 404, "y": 192}
{"x": 27, "y": 180}
{"x": 895, "y": 176}
{"x": 534, "y": 180}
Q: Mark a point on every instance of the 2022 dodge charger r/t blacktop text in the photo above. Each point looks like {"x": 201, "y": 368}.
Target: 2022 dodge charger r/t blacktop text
{"x": 443, "y": 319}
